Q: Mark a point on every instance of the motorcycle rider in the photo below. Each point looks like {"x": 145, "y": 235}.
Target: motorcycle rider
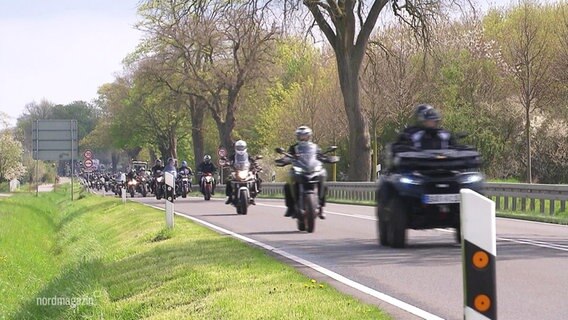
{"x": 157, "y": 167}
{"x": 427, "y": 134}
{"x": 241, "y": 154}
{"x": 184, "y": 170}
{"x": 206, "y": 167}
{"x": 303, "y": 135}
{"x": 171, "y": 167}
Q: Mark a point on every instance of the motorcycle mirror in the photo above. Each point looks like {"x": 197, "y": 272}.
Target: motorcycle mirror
{"x": 332, "y": 148}
{"x": 279, "y": 150}
{"x": 258, "y": 157}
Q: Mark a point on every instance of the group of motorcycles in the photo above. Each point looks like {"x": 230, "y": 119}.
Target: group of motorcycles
{"x": 307, "y": 175}
{"x": 141, "y": 182}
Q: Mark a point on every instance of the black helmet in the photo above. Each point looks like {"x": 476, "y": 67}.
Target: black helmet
{"x": 432, "y": 114}
{"x": 420, "y": 110}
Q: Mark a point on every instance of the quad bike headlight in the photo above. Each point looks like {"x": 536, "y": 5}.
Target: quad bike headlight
{"x": 410, "y": 180}
{"x": 472, "y": 178}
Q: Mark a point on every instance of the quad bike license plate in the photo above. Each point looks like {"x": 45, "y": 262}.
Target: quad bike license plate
{"x": 441, "y": 198}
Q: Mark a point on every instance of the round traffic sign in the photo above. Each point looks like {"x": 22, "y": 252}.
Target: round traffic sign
{"x": 88, "y": 154}
{"x": 88, "y": 163}
{"x": 222, "y": 162}
{"x": 222, "y": 152}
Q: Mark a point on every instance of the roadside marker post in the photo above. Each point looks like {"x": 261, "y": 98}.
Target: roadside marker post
{"x": 479, "y": 251}
{"x": 123, "y": 194}
{"x": 170, "y": 192}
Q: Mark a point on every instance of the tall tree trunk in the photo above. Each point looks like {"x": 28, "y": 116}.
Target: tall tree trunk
{"x": 172, "y": 145}
{"x": 528, "y": 137}
{"x": 359, "y": 138}
{"x": 197, "y": 117}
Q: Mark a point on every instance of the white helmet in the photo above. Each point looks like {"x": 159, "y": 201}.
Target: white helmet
{"x": 207, "y": 158}
{"x": 303, "y": 133}
{"x": 241, "y": 146}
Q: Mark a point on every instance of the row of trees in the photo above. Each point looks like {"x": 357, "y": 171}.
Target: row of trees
{"x": 210, "y": 72}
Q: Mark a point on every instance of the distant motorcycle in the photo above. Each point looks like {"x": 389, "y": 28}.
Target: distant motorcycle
{"x": 308, "y": 174}
{"x": 207, "y": 182}
{"x": 159, "y": 184}
{"x": 183, "y": 184}
{"x": 244, "y": 184}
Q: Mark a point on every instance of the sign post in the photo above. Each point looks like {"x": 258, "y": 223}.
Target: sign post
{"x": 222, "y": 153}
{"x": 55, "y": 140}
{"x": 479, "y": 251}
{"x": 170, "y": 192}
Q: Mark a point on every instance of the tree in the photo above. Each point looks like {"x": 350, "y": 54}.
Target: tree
{"x": 221, "y": 46}
{"x": 10, "y": 154}
{"x": 531, "y": 62}
{"x": 340, "y": 21}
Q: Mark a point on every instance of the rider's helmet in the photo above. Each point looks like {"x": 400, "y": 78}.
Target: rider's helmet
{"x": 303, "y": 133}
{"x": 431, "y": 118}
{"x": 170, "y": 161}
{"x": 184, "y": 163}
{"x": 158, "y": 162}
{"x": 207, "y": 158}
{"x": 240, "y": 146}
{"x": 420, "y": 110}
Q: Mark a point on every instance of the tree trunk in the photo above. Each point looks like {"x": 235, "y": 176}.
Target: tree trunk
{"x": 172, "y": 145}
{"x": 528, "y": 137}
{"x": 359, "y": 139}
{"x": 197, "y": 116}
{"x": 115, "y": 156}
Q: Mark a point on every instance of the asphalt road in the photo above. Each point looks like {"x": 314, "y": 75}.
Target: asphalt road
{"x": 422, "y": 281}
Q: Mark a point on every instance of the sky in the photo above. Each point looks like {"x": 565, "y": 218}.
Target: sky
{"x": 64, "y": 50}
{"x": 61, "y": 50}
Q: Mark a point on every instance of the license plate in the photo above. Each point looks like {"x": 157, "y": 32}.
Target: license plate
{"x": 441, "y": 198}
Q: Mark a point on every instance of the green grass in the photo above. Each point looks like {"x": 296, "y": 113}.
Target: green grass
{"x": 116, "y": 261}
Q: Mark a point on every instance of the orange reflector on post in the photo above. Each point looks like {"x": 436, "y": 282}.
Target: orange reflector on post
{"x": 482, "y": 303}
{"x": 480, "y": 259}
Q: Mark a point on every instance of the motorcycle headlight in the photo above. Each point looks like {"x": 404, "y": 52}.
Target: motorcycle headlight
{"x": 298, "y": 169}
{"x": 410, "y": 180}
{"x": 242, "y": 174}
{"x": 159, "y": 179}
{"x": 318, "y": 168}
{"x": 472, "y": 178}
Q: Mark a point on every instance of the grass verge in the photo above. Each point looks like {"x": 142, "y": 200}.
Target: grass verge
{"x": 98, "y": 258}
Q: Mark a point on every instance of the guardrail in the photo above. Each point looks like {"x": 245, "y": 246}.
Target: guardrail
{"x": 518, "y": 197}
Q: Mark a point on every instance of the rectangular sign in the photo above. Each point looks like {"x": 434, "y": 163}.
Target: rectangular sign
{"x": 54, "y": 140}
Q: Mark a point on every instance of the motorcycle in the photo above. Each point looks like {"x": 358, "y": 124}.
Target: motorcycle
{"x": 207, "y": 182}
{"x": 183, "y": 184}
{"x": 132, "y": 186}
{"x": 159, "y": 184}
{"x": 308, "y": 174}
{"x": 142, "y": 184}
{"x": 244, "y": 184}
{"x": 120, "y": 184}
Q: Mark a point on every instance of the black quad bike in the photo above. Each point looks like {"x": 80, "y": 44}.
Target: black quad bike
{"x": 308, "y": 174}
{"x": 421, "y": 190}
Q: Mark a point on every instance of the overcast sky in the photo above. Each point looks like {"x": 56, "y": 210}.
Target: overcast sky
{"x": 64, "y": 50}
{"x": 61, "y": 50}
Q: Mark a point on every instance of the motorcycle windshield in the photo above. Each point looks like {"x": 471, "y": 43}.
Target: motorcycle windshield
{"x": 306, "y": 156}
{"x": 241, "y": 161}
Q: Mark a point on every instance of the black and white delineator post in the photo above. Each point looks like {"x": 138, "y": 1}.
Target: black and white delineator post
{"x": 170, "y": 192}
{"x": 479, "y": 250}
